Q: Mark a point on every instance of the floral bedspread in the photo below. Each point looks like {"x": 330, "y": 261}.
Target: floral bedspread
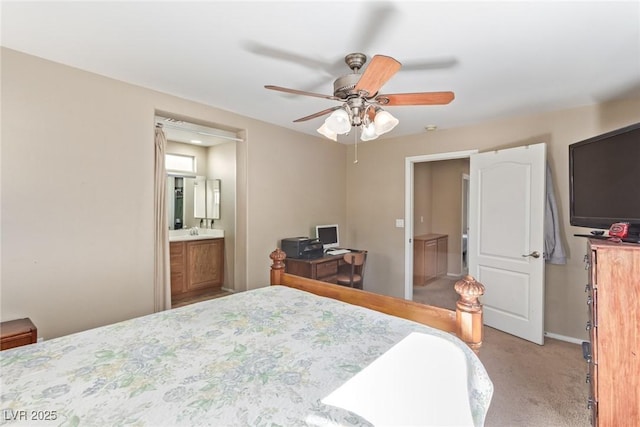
{"x": 266, "y": 357}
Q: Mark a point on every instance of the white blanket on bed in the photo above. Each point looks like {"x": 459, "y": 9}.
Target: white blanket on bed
{"x": 418, "y": 382}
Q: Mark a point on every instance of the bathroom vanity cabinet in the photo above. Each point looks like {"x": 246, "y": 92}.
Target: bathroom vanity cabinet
{"x": 197, "y": 267}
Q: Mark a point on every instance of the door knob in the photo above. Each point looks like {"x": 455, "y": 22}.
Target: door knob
{"x": 534, "y": 254}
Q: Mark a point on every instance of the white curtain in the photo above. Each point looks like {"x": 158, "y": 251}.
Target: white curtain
{"x": 162, "y": 275}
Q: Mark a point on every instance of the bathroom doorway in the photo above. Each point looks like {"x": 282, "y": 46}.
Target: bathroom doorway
{"x": 214, "y": 154}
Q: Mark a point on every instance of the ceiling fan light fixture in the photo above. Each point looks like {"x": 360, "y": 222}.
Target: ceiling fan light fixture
{"x": 384, "y": 121}
{"x": 361, "y": 100}
{"x": 368, "y": 132}
{"x": 325, "y": 131}
{"x": 339, "y": 122}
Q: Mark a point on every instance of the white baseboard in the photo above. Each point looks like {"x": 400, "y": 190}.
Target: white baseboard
{"x": 228, "y": 290}
{"x": 563, "y": 338}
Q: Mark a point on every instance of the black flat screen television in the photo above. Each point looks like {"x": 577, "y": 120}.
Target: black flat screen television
{"x": 604, "y": 180}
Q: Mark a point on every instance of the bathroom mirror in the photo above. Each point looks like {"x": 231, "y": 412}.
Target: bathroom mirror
{"x": 191, "y": 200}
{"x": 200, "y": 197}
{"x": 213, "y": 199}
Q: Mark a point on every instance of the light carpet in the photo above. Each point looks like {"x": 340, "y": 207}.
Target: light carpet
{"x": 533, "y": 385}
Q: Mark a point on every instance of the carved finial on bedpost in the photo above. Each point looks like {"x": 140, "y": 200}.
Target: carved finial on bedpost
{"x": 469, "y": 311}
{"x": 277, "y": 267}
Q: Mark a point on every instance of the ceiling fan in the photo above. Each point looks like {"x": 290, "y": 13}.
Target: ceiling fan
{"x": 361, "y": 104}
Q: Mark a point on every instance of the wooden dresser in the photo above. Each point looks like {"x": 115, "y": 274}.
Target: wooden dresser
{"x": 613, "y": 353}
{"x": 429, "y": 257}
{"x": 16, "y": 333}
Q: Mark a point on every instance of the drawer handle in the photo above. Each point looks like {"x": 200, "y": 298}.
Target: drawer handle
{"x": 586, "y": 351}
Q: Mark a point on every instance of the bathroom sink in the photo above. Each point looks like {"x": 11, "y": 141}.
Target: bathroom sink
{"x": 203, "y": 233}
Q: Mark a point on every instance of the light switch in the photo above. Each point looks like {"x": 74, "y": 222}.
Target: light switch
{"x": 399, "y": 223}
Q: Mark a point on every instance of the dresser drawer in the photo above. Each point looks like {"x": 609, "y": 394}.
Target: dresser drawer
{"x": 326, "y": 269}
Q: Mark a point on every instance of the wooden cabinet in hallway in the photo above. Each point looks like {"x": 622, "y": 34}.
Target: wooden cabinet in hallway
{"x": 429, "y": 257}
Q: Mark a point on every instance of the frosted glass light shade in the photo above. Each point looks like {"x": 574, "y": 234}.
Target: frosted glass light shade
{"x": 368, "y": 132}
{"x": 339, "y": 122}
{"x": 324, "y": 130}
{"x": 384, "y": 122}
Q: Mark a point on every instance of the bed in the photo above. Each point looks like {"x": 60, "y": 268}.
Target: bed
{"x": 282, "y": 355}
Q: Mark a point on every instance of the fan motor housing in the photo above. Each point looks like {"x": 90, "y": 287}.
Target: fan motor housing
{"x": 343, "y": 86}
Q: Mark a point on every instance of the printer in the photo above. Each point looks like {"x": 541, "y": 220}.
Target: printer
{"x": 302, "y": 247}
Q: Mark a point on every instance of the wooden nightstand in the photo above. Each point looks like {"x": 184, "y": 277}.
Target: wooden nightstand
{"x": 16, "y": 333}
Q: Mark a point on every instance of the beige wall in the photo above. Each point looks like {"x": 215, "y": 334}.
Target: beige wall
{"x": 77, "y": 193}
{"x": 222, "y": 166}
{"x": 77, "y": 152}
{"x": 422, "y": 203}
{"x": 381, "y": 171}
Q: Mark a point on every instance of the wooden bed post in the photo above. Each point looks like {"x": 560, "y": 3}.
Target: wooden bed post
{"x": 469, "y": 312}
{"x": 277, "y": 267}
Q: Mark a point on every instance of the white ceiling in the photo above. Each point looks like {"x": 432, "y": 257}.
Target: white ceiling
{"x": 501, "y": 58}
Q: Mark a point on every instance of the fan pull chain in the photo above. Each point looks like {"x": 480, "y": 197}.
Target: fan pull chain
{"x": 355, "y": 134}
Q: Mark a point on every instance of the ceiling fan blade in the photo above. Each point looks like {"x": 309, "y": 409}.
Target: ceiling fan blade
{"x": 430, "y": 64}
{"x": 421, "y": 98}
{"x": 318, "y": 114}
{"x": 378, "y": 72}
{"x": 293, "y": 57}
{"x": 376, "y": 19}
{"x": 300, "y": 92}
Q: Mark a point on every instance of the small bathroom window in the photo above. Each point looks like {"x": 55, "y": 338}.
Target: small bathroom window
{"x": 180, "y": 163}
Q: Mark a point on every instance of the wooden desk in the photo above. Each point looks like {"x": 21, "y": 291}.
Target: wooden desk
{"x": 324, "y": 268}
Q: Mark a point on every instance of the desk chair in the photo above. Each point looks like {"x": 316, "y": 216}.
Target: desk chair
{"x": 352, "y": 273}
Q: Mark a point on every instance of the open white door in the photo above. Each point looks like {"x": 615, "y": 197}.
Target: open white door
{"x": 506, "y": 237}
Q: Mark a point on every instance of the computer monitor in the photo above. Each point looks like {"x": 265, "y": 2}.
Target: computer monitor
{"x": 328, "y": 235}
